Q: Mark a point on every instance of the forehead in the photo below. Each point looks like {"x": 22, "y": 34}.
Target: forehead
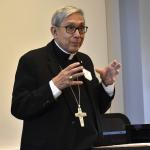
{"x": 75, "y": 18}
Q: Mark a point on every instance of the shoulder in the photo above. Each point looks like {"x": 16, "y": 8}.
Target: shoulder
{"x": 36, "y": 53}
{"x": 34, "y": 57}
{"x": 84, "y": 57}
{"x": 39, "y": 53}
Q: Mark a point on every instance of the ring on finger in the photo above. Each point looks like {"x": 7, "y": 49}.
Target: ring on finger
{"x": 70, "y": 77}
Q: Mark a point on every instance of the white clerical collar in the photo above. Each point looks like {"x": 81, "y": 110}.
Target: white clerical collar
{"x": 71, "y": 55}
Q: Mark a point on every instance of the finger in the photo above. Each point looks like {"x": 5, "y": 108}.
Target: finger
{"x": 77, "y": 75}
{"x": 113, "y": 64}
{"x": 117, "y": 71}
{"x": 100, "y": 71}
{"x": 76, "y": 70}
{"x": 118, "y": 66}
{"x": 70, "y": 70}
{"x": 76, "y": 82}
{"x": 74, "y": 65}
{"x": 114, "y": 73}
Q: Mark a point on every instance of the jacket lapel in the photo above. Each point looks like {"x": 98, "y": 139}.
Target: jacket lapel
{"x": 52, "y": 61}
{"x": 55, "y": 68}
{"x": 88, "y": 86}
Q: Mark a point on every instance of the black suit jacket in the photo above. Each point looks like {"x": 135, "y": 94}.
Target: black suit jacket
{"x": 50, "y": 124}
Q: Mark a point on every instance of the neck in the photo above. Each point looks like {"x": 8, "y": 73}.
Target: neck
{"x": 62, "y": 48}
{"x": 71, "y": 54}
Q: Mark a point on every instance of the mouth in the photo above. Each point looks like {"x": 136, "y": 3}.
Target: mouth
{"x": 76, "y": 43}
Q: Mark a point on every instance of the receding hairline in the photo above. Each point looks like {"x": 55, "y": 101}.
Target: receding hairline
{"x": 62, "y": 13}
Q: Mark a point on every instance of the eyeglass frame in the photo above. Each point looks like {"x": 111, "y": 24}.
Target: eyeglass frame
{"x": 75, "y": 28}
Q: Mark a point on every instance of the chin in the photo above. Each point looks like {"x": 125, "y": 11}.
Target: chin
{"x": 74, "y": 51}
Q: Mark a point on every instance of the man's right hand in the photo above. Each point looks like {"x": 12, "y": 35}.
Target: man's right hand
{"x": 67, "y": 77}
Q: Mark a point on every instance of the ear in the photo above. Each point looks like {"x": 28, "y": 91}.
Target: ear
{"x": 54, "y": 31}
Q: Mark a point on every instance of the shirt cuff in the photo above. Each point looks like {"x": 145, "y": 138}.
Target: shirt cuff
{"x": 109, "y": 89}
{"x": 56, "y": 92}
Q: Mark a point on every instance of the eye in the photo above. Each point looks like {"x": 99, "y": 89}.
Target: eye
{"x": 71, "y": 27}
{"x": 81, "y": 28}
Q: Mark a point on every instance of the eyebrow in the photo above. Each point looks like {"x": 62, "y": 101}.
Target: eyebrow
{"x": 73, "y": 24}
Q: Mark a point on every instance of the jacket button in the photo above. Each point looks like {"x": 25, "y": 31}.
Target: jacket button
{"x": 73, "y": 122}
{"x": 46, "y": 103}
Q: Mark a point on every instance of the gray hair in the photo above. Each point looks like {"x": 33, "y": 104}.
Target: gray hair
{"x": 64, "y": 12}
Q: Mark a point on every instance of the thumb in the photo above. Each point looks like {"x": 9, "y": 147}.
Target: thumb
{"x": 99, "y": 71}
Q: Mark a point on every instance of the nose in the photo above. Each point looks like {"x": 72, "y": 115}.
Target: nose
{"x": 77, "y": 33}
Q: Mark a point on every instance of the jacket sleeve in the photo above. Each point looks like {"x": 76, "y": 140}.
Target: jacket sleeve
{"x": 29, "y": 99}
{"x": 99, "y": 95}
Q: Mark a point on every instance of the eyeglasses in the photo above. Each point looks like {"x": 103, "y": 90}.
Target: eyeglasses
{"x": 72, "y": 29}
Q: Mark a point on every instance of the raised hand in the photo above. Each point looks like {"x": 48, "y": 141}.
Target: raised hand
{"x": 66, "y": 76}
{"x": 109, "y": 73}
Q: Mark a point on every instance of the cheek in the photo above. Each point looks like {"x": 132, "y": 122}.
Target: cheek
{"x": 61, "y": 39}
{"x": 82, "y": 40}
{"x": 65, "y": 41}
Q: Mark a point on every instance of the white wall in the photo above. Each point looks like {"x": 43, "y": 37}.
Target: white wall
{"x": 128, "y": 28}
{"x": 114, "y": 50}
{"x": 135, "y": 41}
{"x": 24, "y": 26}
{"x": 145, "y": 52}
{"x": 131, "y": 60}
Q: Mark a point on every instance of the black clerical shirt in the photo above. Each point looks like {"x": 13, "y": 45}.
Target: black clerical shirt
{"x": 85, "y": 101}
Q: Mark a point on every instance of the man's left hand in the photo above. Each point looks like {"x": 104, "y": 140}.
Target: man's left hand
{"x": 109, "y": 73}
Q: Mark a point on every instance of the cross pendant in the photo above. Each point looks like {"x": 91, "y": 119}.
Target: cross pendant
{"x": 81, "y": 116}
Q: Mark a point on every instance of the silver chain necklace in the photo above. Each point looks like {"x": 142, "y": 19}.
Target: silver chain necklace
{"x": 80, "y": 114}
{"x": 75, "y": 97}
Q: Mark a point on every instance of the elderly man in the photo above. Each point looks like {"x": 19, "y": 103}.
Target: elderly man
{"x": 56, "y": 92}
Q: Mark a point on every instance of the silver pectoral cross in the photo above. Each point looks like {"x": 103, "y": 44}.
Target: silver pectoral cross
{"x": 81, "y": 116}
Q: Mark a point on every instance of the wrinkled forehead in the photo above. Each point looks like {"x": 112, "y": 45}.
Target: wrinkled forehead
{"x": 74, "y": 19}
